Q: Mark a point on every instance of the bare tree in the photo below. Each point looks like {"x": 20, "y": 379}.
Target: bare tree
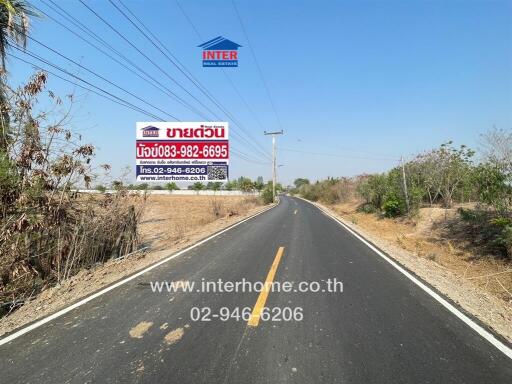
{"x": 497, "y": 147}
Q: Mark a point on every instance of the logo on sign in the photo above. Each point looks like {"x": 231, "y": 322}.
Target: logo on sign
{"x": 220, "y": 52}
{"x": 150, "y": 131}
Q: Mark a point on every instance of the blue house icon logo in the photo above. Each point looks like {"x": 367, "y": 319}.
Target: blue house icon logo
{"x": 220, "y": 52}
{"x": 150, "y": 131}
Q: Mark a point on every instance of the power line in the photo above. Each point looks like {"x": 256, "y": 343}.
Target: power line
{"x": 70, "y": 18}
{"x": 247, "y": 158}
{"x": 337, "y": 155}
{"x": 135, "y": 108}
{"x": 119, "y": 101}
{"x": 146, "y": 56}
{"x": 231, "y": 82}
{"x": 101, "y": 77}
{"x": 183, "y": 69}
{"x": 155, "y": 83}
{"x": 258, "y": 66}
{"x": 35, "y": 56}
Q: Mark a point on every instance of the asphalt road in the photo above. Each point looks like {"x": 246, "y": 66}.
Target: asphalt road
{"x": 381, "y": 329}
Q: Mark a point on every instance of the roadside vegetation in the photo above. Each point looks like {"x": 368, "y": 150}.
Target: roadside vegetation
{"x": 478, "y": 185}
{"x": 244, "y": 184}
{"x": 48, "y": 232}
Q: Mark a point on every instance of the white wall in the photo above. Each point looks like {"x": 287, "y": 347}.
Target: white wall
{"x": 183, "y": 192}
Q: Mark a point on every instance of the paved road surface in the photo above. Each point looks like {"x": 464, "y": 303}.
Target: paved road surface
{"x": 381, "y": 329}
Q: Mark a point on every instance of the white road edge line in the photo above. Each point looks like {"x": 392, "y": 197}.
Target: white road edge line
{"x": 450, "y": 307}
{"x": 63, "y": 311}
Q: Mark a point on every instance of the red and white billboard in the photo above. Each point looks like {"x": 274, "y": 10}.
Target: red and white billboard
{"x": 182, "y": 151}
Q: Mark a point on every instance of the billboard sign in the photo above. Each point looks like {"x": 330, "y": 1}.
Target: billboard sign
{"x": 182, "y": 151}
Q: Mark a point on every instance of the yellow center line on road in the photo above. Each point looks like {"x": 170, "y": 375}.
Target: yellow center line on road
{"x": 262, "y": 298}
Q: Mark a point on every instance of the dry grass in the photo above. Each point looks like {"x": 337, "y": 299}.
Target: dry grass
{"x": 170, "y": 223}
{"x": 168, "y": 219}
{"x": 425, "y": 236}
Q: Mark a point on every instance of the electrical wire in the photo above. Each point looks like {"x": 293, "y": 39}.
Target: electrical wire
{"x": 183, "y": 69}
{"x": 231, "y": 82}
{"x": 68, "y": 17}
{"x": 81, "y": 86}
{"x": 337, "y": 155}
{"x": 152, "y": 81}
{"x": 100, "y": 77}
{"x": 267, "y": 90}
{"x": 119, "y": 101}
{"x": 145, "y": 56}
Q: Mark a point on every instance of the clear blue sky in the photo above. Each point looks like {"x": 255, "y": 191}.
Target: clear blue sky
{"x": 361, "y": 79}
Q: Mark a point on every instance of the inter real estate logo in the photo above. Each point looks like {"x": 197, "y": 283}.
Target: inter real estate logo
{"x": 150, "y": 131}
{"x": 220, "y": 52}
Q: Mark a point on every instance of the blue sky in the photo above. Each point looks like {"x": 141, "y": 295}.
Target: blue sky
{"x": 366, "y": 80}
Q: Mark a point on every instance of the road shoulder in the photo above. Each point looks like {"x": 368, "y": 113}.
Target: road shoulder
{"x": 490, "y": 311}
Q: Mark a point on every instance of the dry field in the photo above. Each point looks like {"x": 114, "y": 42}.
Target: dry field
{"x": 426, "y": 236}
{"x": 169, "y": 223}
{"x": 171, "y": 219}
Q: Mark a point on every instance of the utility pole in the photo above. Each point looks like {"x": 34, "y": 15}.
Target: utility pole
{"x": 405, "y": 184}
{"x": 273, "y": 160}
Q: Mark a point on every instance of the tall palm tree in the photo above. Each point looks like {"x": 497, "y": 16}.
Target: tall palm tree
{"x": 14, "y": 22}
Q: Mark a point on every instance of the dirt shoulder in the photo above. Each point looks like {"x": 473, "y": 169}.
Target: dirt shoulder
{"x": 448, "y": 267}
{"x": 169, "y": 224}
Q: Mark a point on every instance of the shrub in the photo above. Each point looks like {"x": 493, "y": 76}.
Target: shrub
{"x": 266, "y": 195}
{"x": 171, "y": 186}
{"x": 216, "y": 207}
{"x": 100, "y": 188}
{"x": 366, "y": 208}
{"x": 506, "y": 240}
{"x": 392, "y": 207}
{"x": 48, "y": 232}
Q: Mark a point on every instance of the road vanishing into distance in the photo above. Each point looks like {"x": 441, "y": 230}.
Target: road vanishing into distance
{"x": 382, "y": 328}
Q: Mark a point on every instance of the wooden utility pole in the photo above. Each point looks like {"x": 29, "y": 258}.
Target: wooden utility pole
{"x": 405, "y": 184}
{"x": 274, "y": 177}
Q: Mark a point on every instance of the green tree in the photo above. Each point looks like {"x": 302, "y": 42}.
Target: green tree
{"x": 172, "y": 186}
{"x": 230, "y": 185}
{"x": 494, "y": 187}
{"x": 245, "y": 184}
{"x": 300, "y": 182}
{"x": 214, "y": 186}
{"x": 197, "y": 186}
{"x": 259, "y": 184}
{"x": 266, "y": 195}
{"x": 455, "y": 169}
{"x": 100, "y": 188}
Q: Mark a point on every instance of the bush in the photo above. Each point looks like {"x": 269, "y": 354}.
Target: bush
{"x": 171, "y": 186}
{"x": 100, "y": 188}
{"x": 48, "y": 232}
{"x": 392, "y": 207}
{"x": 506, "y": 240}
{"x": 468, "y": 214}
{"x": 266, "y": 195}
{"x": 366, "y": 208}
